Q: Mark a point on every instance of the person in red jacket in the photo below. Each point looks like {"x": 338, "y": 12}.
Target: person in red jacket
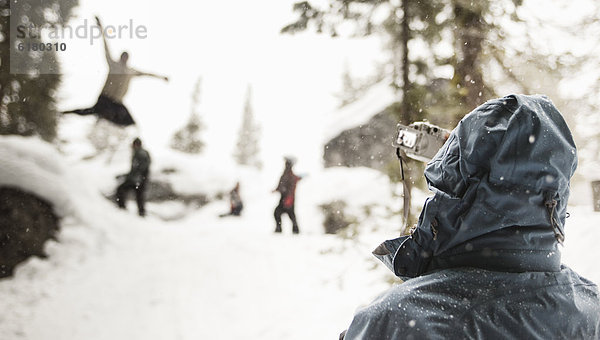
{"x": 287, "y": 189}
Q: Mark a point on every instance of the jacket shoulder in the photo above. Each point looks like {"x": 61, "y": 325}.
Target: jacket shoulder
{"x": 471, "y": 303}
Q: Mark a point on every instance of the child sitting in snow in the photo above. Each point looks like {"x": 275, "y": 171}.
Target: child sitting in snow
{"x": 235, "y": 202}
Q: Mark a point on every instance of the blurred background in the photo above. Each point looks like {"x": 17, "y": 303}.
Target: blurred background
{"x": 249, "y": 83}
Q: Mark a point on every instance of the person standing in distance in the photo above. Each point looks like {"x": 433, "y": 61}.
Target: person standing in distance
{"x": 287, "y": 189}
{"x": 136, "y": 178}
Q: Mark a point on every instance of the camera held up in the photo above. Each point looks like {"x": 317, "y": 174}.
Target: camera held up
{"x": 420, "y": 140}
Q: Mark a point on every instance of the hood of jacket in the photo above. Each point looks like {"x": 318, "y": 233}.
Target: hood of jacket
{"x": 500, "y": 188}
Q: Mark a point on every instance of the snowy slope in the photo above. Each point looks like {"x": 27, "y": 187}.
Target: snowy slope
{"x": 115, "y": 276}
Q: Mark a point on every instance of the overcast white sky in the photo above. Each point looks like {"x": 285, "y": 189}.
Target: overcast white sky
{"x": 230, "y": 44}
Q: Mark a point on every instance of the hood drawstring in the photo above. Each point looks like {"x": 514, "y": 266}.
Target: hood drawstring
{"x": 405, "y": 192}
{"x": 558, "y": 233}
{"x": 400, "y": 159}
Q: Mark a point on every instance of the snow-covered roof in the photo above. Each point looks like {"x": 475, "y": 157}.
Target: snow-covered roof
{"x": 375, "y": 100}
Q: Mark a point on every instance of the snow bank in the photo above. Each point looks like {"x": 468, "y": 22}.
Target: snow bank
{"x": 86, "y": 222}
{"x": 36, "y": 167}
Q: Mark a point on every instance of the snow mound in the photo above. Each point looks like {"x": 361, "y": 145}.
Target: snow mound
{"x": 35, "y": 166}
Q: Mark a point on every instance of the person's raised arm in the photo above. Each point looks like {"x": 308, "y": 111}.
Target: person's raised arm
{"x": 106, "y": 50}
{"x": 146, "y": 74}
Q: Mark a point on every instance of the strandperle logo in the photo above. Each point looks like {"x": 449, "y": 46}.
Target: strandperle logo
{"x": 88, "y": 30}
{"x": 33, "y": 45}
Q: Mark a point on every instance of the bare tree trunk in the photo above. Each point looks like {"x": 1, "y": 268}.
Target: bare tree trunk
{"x": 404, "y": 38}
{"x": 406, "y": 114}
{"x": 468, "y": 68}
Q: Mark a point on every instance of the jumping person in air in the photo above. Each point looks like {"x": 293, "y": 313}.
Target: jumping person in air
{"x": 110, "y": 102}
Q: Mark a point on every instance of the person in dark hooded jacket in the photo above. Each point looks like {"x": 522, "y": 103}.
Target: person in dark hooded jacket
{"x": 484, "y": 261}
{"x": 136, "y": 178}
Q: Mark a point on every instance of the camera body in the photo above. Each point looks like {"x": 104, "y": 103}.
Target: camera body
{"x": 420, "y": 140}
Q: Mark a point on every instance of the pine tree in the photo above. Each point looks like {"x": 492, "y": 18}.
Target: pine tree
{"x": 187, "y": 139}
{"x": 247, "y": 148}
{"x": 27, "y": 100}
{"x": 475, "y": 31}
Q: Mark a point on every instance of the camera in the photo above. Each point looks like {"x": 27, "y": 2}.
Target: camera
{"x": 420, "y": 140}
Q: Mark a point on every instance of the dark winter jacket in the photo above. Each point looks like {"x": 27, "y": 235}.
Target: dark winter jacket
{"x": 484, "y": 260}
{"x": 140, "y": 166}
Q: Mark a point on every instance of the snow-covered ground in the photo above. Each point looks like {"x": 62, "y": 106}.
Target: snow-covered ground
{"x": 113, "y": 275}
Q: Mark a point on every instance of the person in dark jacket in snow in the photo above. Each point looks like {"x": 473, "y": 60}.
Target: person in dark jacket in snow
{"x": 136, "y": 178}
{"x": 484, "y": 261}
{"x": 287, "y": 189}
